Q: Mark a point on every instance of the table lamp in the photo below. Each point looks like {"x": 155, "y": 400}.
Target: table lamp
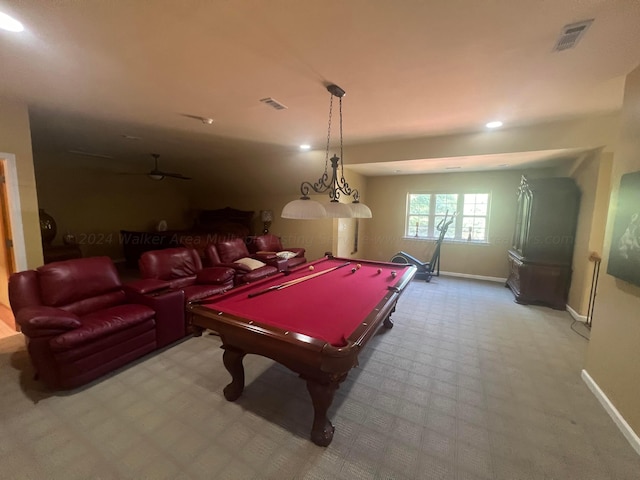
{"x": 267, "y": 217}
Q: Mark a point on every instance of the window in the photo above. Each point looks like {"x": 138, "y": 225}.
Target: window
{"x": 426, "y": 213}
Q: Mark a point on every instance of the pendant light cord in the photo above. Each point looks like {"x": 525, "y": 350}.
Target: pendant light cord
{"x": 326, "y": 156}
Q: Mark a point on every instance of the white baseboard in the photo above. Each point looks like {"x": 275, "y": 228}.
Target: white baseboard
{"x": 618, "y": 419}
{"x": 474, "y": 277}
{"x": 576, "y": 315}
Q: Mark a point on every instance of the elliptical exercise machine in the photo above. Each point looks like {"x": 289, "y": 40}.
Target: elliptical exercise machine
{"x": 426, "y": 269}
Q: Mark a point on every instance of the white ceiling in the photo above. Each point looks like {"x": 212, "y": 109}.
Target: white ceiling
{"x": 93, "y": 71}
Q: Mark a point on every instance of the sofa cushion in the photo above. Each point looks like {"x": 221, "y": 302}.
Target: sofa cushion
{"x": 102, "y": 323}
{"x": 100, "y": 302}
{"x": 63, "y": 283}
{"x": 215, "y": 275}
{"x": 199, "y": 292}
{"x": 258, "y": 274}
{"x": 178, "y": 283}
{"x": 268, "y": 243}
{"x": 231, "y": 250}
{"x": 252, "y": 263}
{"x": 170, "y": 263}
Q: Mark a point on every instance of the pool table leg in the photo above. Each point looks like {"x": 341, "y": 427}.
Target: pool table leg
{"x": 388, "y": 323}
{"x": 197, "y": 331}
{"x": 321, "y": 397}
{"x": 233, "y": 363}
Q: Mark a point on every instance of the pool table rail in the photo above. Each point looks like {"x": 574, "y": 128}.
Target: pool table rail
{"x": 323, "y": 365}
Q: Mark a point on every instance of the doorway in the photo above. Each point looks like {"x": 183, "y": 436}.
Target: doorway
{"x": 7, "y": 258}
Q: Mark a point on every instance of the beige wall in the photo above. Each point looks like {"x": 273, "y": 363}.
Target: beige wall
{"x": 345, "y": 228}
{"x": 587, "y": 132}
{"x": 387, "y": 198}
{"x": 94, "y": 205}
{"x": 593, "y": 176}
{"x": 613, "y": 354}
{"x": 112, "y": 202}
{"x": 15, "y": 138}
{"x": 314, "y": 235}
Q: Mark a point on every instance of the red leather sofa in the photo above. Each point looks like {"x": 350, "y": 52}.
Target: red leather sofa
{"x": 81, "y": 323}
{"x": 269, "y": 244}
{"x": 234, "y": 254}
{"x": 181, "y": 269}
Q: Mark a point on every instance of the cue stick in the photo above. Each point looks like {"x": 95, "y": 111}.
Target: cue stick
{"x": 296, "y": 281}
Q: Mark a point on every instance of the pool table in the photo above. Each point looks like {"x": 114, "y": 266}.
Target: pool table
{"x": 314, "y": 320}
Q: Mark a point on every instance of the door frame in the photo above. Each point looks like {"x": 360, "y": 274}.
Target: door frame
{"x": 15, "y": 210}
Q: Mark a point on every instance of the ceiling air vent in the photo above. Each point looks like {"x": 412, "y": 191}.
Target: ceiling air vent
{"x": 571, "y": 34}
{"x": 273, "y": 103}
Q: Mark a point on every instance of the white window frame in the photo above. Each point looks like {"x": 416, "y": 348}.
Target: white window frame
{"x": 432, "y": 232}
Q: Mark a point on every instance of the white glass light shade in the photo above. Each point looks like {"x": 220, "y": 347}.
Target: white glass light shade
{"x": 303, "y": 210}
{"x": 360, "y": 210}
{"x": 154, "y": 176}
{"x": 338, "y": 210}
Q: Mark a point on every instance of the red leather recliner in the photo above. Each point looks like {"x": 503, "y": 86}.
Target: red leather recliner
{"x": 80, "y": 323}
{"x": 234, "y": 254}
{"x": 181, "y": 269}
{"x": 269, "y": 244}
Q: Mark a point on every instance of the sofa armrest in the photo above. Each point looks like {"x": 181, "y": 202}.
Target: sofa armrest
{"x": 272, "y": 259}
{"x": 264, "y": 256}
{"x": 235, "y": 266}
{"x": 42, "y": 321}
{"x": 215, "y": 275}
{"x": 169, "y": 306}
{"x": 146, "y": 286}
{"x": 298, "y": 251}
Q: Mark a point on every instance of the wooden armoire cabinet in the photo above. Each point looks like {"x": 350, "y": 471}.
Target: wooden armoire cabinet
{"x": 542, "y": 251}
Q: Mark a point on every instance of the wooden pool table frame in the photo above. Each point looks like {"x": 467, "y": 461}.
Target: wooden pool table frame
{"x": 321, "y": 364}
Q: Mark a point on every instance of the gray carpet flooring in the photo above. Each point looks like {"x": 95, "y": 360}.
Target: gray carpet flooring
{"x": 467, "y": 385}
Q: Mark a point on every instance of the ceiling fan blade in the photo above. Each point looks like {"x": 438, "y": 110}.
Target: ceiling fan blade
{"x": 176, "y": 175}
{"x": 160, "y": 173}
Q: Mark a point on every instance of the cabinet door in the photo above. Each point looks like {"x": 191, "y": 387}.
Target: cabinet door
{"x": 523, "y": 217}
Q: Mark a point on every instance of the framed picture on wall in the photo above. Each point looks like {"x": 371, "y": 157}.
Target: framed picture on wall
{"x": 624, "y": 256}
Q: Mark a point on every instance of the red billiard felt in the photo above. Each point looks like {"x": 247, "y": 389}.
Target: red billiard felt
{"x": 328, "y": 307}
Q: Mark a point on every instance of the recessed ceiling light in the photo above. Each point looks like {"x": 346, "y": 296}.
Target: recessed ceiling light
{"x": 305, "y": 147}
{"x": 10, "y": 23}
{"x": 452, "y": 168}
{"x": 494, "y": 124}
{"x": 131, "y": 137}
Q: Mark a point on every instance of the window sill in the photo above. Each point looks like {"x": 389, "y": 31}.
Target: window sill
{"x": 448, "y": 240}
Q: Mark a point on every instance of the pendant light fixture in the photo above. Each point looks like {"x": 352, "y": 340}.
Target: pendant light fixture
{"x": 336, "y": 185}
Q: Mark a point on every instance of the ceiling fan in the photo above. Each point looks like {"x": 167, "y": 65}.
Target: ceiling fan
{"x": 156, "y": 174}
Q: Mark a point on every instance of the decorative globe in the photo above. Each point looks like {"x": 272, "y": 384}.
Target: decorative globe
{"x": 48, "y": 227}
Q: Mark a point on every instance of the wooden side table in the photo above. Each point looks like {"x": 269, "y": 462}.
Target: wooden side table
{"x": 57, "y": 253}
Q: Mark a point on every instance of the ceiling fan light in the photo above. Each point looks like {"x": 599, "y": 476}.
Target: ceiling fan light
{"x": 303, "y": 209}
{"x": 360, "y": 210}
{"x": 155, "y": 176}
{"x": 338, "y": 210}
